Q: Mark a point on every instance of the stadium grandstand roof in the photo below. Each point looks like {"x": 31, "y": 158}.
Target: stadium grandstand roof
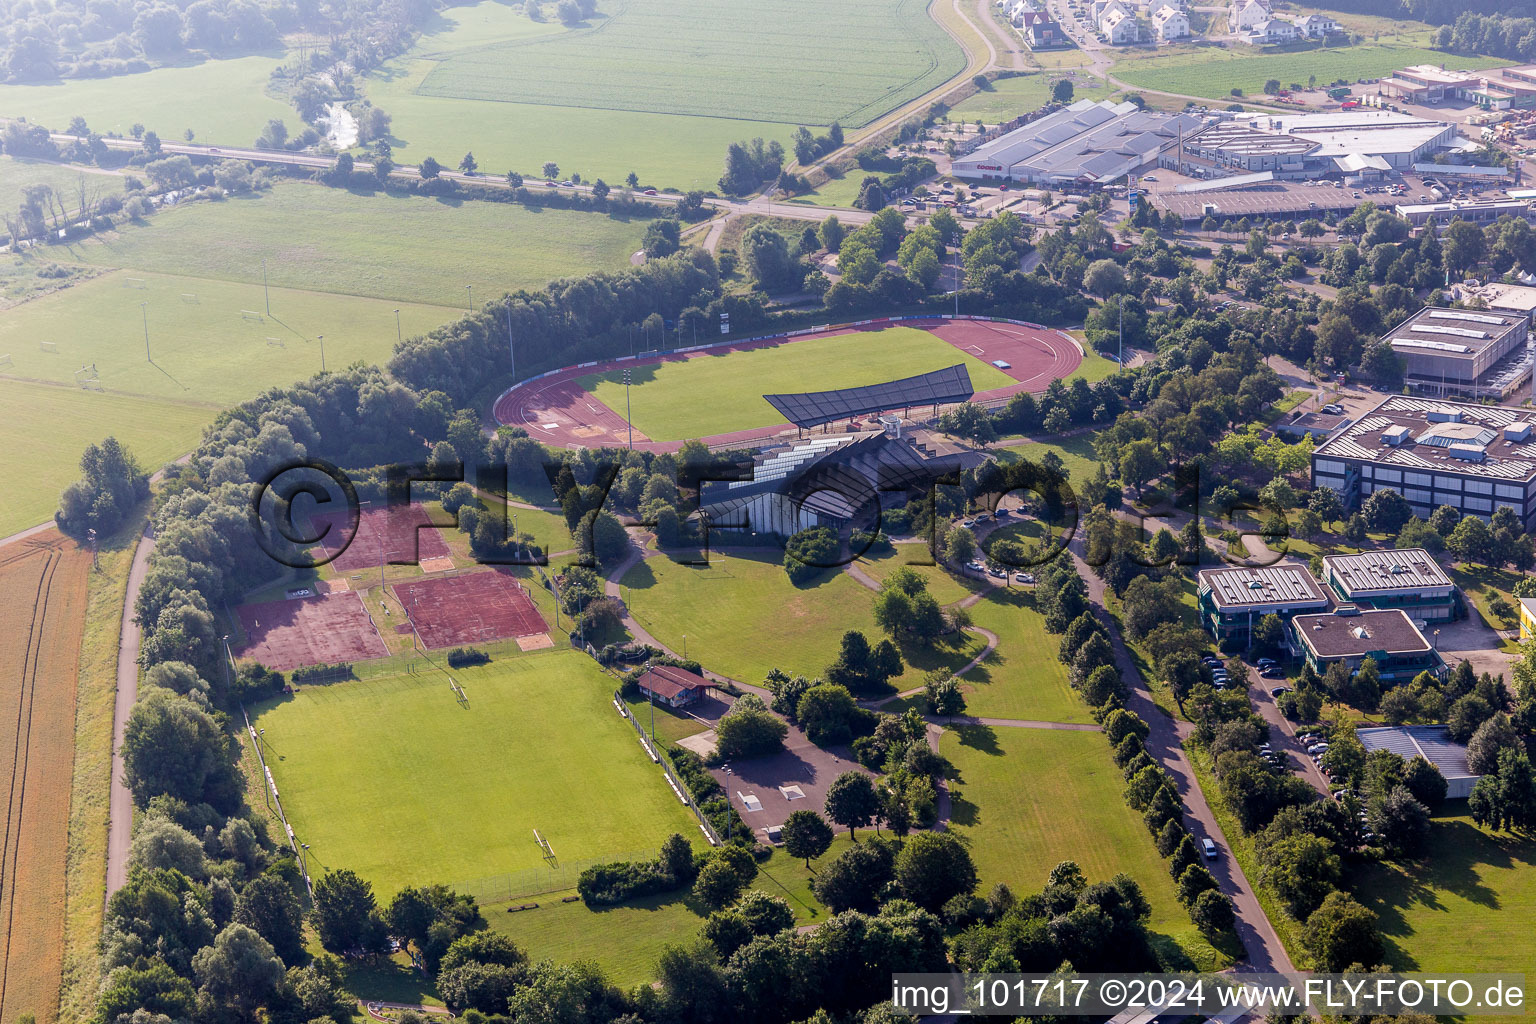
{"x": 940, "y": 387}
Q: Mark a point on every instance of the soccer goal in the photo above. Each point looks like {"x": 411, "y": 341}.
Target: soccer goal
{"x": 5, "y": 360}
{"x": 251, "y": 316}
{"x": 190, "y": 298}
{"x": 549, "y": 851}
{"x": 275, "y": 343}
{"x": 136, "y": 283}
{"x": 48, "y": 346}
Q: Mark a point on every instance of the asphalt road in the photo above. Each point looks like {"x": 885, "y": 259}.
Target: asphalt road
{"x": 120, "y": 802}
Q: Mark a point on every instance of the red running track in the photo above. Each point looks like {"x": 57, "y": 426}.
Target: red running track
{"x": 558, "y": 411}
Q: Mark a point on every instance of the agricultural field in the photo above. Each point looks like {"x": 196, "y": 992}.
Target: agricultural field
{"x": 211, "y": 343}
{"x": 791, "y": 62}
{"x": 712, "y": 394}
{"x": 1214, "y": 73}
{"x": 39, "y": 463}
{"x": 742, "y": 616}
{"x": 457, "y": 795}
{"x": 223, "y": 102}
{"x": 404, "y": 248}
{"x": 1009, "y": 801}
{"x": 1463, "y": 906}
{"x": 43, "y": 598}
{"x": 588, "y": 111}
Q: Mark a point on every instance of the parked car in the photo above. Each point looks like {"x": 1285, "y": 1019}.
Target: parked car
{"x": 1271, "y": 672}
{"x": 967, "y": 522}
{"x": 1209, "y": 848}
{"x": 1265, "y": 661}
{"x": 1278, "y": 690}
{"x": 1023, "y": 577}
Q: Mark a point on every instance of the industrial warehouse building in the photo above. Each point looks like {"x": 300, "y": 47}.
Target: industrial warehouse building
{"x": 1405, "y": 578}
{"x": 1431, "y": 742}
{"x": 1474, "y": 458}
{"x": 1348, "y": 636}
{"x": 1232, "y": 599}
{"x": 1087, "y": 143}
{"x": 1463, "y": 353}
{"x": 1307, "y": 146}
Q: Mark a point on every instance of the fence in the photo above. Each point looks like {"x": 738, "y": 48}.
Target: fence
{"x": 676, "y": 783}
{"x": 493, "y": 889}
{"x": 271, "y": 783}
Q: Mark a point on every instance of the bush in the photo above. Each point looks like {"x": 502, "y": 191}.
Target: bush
{"x": 462, "y": 657}
{"x": 809, "y": 553}
{"x": 606, "y": 885}
{"x": 322, "y": 673}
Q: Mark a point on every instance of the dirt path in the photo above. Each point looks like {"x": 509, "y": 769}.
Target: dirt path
{"x": 120, "y": 804}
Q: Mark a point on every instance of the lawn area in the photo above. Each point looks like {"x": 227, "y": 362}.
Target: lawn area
{"x": 664, "y": 723}
{"x": 1466, "y": 905}
{"x": 224, "y": 102}
{"x": 1075, "y": 452}
{"x": 1005, "y": 100}
{"x": 626, "y": 941}
{"x": 1022, "y": 678}
{"x": 204, "y": 349}
{"x": 444, "y": 799}
{"x": 806, "y": 63}
{"x": 1027, "y": 799}
{"x": 1213, "y": 72}
{"x": 46, "y": 428}
{"x": 840, "y": 190}
{"x": 405, "y": 248}
{"x": 742, "y": 616}
{"x": 943, "y": 585}
{"x": 711, "y": 394}
{"x": 16, "y": 173}
{"x": 1476, "y": 581}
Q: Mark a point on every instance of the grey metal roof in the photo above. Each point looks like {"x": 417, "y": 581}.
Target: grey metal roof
{"x": 1362, "y": 441}
{"x": 1431, "y": 742}
{"x": 1239, "y": 589}
{"x": 940, "y": 387}
{"x": 1397, "y": 569}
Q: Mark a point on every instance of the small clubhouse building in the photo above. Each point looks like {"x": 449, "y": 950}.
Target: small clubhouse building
{"x": 1349, "y": 635}
{"x": 1406, "y": 578}
{"x": 675, "y": 687}
{"x": 1233, "y": 599}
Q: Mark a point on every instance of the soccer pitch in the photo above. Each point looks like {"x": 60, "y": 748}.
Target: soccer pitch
{"x": 204, "y": 348}
{"x": 392, "y": 778}
{"x": 402, "y": 248}
{"x": 713, "y": 394}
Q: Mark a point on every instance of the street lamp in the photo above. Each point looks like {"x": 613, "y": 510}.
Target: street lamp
{"x": 144, "y": 313}
{"x": 470, "y": 301}
{"x": 397, "y": 326}
{"x": 322, "y": 353}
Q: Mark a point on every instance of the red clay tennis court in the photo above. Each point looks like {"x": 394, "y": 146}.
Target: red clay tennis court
{"x": 474, "y": 608}
{"x": 394, "y": 527}
{"x": 327, "y": 630}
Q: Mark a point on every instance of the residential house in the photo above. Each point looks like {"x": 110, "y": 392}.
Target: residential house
{"x": 1170, "y": 24}
{"x": 1270, "y": 32}
{"x": 1046, "y": 35}
{"x": 1245, "y": 14}
{"x": 1119, "y": 28}
{"x": 1316, "y": 26}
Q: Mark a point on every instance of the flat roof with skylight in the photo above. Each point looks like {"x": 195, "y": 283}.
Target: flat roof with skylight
{"x": 1375, "y": 572}
{"x": 1410, "y": 433}
{"x": 1238, "y": 589}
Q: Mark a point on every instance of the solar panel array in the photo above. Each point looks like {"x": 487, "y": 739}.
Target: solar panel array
{"x": 940, "y": 387}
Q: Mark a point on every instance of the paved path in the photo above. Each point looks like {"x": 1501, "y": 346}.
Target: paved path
{"x": 1165, "y": 743}
{"x": 120, "y": 800}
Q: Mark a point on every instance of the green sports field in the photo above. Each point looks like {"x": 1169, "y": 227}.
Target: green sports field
{"x": 783, "y": 61}
{"x": 224, "y": 102}
{"x": 404, "y": 248}
{"x": 712, "y": 394}
{"x": 392, "y": 778}
{"x": 1215, "y": 72}
{"x": 204, "y": 350}
{"x": 1027, "y": 799}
